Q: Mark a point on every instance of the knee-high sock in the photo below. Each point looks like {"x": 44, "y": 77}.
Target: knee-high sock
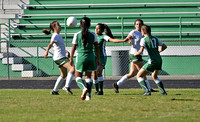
{"x": 58, "y": 83}
{"x": 142, "y": 84}
{"x": 96, "y": 85}
{"x": 122, "y": 80}
{"x": 100, "y": 80}
{"x": 69, "y": 79}
{"x": 80, "y": 83}
{"x": 89, "y": 84}
{"x": 160, "y": 85}
{"x": 148, "y": 84}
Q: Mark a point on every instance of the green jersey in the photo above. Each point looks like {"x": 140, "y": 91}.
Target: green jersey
{"x": 152, "y": 48}
{"x": 92, "y": 38}
{"x": 85, "y": 59}
{"x": 102, "y": 39}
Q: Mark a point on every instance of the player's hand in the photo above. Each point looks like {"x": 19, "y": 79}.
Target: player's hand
{"x": 46, "y": 55}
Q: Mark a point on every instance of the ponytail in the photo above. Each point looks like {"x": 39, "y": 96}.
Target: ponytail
{"x": 47, "y": 32}
{"x": 51, "y": 26}
{"x": 85, "y": 22}
{"x": 108, "y": 31}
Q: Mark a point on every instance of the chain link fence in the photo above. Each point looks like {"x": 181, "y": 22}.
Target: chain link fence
{"x": 29, "y": 61}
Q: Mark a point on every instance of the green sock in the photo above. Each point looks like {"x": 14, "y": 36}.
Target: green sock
{"x": 89, "y": 87}
{"x": 96, "y": 86}
{"x": 144, "y": 86}
{"x": 101, "y": 86}
{"x": 80, "y": 84}
{"x": 161, "y": 87}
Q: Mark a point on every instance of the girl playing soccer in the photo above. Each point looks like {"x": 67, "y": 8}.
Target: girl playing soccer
{"x": 154, "y": 63}
{"x": 85, "y": 42}
{"x": 102, "y": 39}
{"x": 136, "y": 61}
{"x": 59, "y": 58}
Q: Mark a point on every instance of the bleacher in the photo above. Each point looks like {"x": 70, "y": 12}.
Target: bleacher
{"x": 177, "y": 23}
{"x": 169, "y": 20}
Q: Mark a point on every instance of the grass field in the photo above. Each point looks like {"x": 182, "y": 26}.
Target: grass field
{"x": 129, "y": 105}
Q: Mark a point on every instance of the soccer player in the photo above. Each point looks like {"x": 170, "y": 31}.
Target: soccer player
{"x": 102, "y": 39}
{"x": 59, "y": 58}
{"x": 154, "y": 64}
{"x": 85, "y": 42}
{"x": 136, "y": 61}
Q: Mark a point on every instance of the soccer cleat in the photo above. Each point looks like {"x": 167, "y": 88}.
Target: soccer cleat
{"x": 54, "y": 92}
{"x": 152, "y": 90}
{"x": 164, "y": 93}
{"x": 67, "y": 89}
{"x": 83, "y": 96}
{"x": 100, "y": 93}
{"x": 147, "y": 93}
{"x": 116, "y": 87}
{"x": 87, "y": 98}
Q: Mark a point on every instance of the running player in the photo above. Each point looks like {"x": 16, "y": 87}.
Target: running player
{"x": 102, "y": 39}
{"x": 136, "y": 61}
{"x": 154, "y": 64}
{"x": 85, "y": 41}
{"x": 59, "y": 58}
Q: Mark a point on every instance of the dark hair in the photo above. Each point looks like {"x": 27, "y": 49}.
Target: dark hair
{"x": 85, "y": 22}
{"x": 139, "y": 20}
{"x": 51, "y": 26}
{"x": 108, "y": 31}
{"x": 147, "y": 30}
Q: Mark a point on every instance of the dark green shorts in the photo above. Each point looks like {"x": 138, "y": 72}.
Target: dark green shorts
{"x": 134, "y": 59}
{"x": 62, "y": 61}
{"x": 153, "y": 66}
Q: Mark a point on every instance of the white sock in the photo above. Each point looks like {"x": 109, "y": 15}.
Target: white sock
{"x": 157, "y": 80}
{"x": 148, "y": 84}
{"x": 69, "y": 79}
{"x": 95, "y": 81}
{"x": 122, "y": 80}
{"x": 58, "y": 83}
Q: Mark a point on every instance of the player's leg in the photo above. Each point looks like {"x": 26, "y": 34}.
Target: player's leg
{"x": 89, "y": 84}
{"x": 139, "y": 66}
{"x": 158, "y": 82}
{"x": 69, "y": 78}
{"x": 95, "y": 81}
{"x": 80, "y": 84}
{"x": 125, "y": 78}
{"x": 140, "y": 77}
{"x": 100, "y": 79}
{"x": 59, "y": 80}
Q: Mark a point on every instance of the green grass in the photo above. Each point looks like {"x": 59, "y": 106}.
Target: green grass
{"x": 128, "y": 105}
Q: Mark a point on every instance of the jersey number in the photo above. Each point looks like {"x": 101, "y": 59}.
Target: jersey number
{"x": 153, "y": 43}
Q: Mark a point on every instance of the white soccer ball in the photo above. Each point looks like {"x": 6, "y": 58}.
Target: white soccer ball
{"x": 71, "y": 22}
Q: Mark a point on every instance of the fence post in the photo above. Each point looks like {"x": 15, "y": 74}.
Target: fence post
{"x": 37, "y": 61}
{"x": 7, "y": 46}
{"x": 122, "y": 27}
{"x": 180, "y": 30}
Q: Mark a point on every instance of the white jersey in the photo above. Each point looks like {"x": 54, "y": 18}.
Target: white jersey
{"x": 58, "y": 46}
{"x": 136, "y": 41}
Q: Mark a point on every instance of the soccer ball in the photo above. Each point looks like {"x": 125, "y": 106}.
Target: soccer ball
{"x": 72, "y": 22}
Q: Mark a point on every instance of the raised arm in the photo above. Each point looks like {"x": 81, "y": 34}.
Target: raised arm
{"x": 115, "y": 40}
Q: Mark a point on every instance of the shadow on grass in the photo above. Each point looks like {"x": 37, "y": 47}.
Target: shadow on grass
{"x": 174, "y": 99}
